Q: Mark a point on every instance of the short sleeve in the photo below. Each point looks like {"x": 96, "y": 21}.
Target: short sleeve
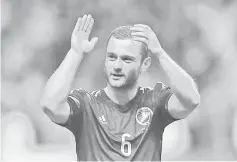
{"x": 76, "y": 103}
{"x": 163, "y": 94}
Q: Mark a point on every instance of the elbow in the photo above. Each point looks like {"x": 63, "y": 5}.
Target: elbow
{"x": 48, "y": 109}
{"x": 195, "y": 101}
{"x": 194, "y": 105}
{"x": 43, "y": 102}
{"x": 46, "y": 106}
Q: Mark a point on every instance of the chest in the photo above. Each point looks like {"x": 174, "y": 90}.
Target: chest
{"x": 116, "y": 123}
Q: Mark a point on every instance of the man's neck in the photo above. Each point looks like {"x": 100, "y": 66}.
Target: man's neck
{"x": 121, "y": 95}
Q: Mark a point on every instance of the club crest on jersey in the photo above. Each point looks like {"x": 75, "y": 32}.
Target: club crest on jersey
{"x": 144, "y": 115}
{"x": 102, "y": 120}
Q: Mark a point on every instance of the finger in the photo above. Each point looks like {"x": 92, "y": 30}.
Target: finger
{"x": 141, "y": 39}
{"x": 139, "y": 34}
{"x": 83, "y": 22}
{"x": 137, "y": 28}
{"x": 77, "y": 24}
{"x": 94, "y": 41}
{"x": 87, "y": 23}
{"x": 143, "y": 26}
{"x": 88, "y": 30}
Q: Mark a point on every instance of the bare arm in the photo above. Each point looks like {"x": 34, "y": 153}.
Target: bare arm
{"x": 186, "y": 97}
{"x": 54, "y": 98}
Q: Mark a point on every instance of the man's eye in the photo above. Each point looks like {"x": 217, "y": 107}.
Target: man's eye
{"x": 112, "y": 58}
{"x": 128, "y": 60}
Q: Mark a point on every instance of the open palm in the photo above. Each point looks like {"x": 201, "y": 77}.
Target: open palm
{"x": 81, "y": 33}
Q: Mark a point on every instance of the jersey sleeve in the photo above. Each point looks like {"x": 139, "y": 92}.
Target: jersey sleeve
{"x": 163, "y": 94}
{"x": 76, "y": 100}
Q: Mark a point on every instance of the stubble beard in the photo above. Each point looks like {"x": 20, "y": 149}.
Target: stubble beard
{"x": 129, "y": 80}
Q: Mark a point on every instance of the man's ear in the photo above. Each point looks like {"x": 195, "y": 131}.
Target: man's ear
{"x": 145, "y": 64}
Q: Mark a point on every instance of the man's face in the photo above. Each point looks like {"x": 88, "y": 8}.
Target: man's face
{"x": 123, "y": 62}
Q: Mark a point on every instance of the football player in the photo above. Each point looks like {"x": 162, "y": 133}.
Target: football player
{"x": 121, "y": 121}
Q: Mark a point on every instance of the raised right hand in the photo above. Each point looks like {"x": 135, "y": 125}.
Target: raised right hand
{"x": 81, "y": 33}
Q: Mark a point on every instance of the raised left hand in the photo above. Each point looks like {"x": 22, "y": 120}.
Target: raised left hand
{"x": 145, "y": 34}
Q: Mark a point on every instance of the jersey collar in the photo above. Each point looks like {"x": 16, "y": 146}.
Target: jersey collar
{"x": 122, "y": 108}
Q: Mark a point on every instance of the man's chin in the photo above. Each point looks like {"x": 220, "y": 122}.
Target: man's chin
{"x": 117, "y": 84}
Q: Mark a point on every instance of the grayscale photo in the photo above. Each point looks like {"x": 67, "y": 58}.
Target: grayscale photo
{"x": 119, "y": 80}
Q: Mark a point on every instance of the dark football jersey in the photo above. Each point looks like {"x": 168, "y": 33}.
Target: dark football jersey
{"x": 106, "y": 131}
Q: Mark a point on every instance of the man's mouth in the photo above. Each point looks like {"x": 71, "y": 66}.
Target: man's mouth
{"x": 117, "y": 75}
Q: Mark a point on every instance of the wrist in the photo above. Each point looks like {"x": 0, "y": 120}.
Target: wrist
{"x": 159, "y": 52}
{"x": 76, "y": 53}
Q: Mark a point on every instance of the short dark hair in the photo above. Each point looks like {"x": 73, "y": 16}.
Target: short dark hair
{"x": 124, "y": 32}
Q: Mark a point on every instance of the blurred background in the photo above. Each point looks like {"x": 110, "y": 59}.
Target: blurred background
{"x": 200, "y": 35}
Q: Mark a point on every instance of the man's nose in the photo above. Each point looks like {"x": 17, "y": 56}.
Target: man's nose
{"x": 118, "y": 65}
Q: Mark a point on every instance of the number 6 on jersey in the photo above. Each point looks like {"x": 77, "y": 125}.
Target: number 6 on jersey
{"x": 126, "y": 144}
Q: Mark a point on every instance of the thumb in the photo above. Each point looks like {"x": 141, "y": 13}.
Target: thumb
{"x": 94, "y": 41}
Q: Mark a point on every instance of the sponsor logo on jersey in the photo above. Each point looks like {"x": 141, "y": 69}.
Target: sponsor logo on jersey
{"x": 144, "y": 115}
{"x": 102, "y": 119}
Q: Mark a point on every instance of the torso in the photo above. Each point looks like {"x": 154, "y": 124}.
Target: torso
{"x": 114, "y": 132}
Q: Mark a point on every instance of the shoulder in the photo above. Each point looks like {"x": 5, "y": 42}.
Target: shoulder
{"x": 96, "y": 93}
{"x": 89, "y": 95}
{"x": 79, "y": 93}
{"x": 86, "y": 99}
{"x": 154, "y": 94}
{"x": 159, "y": 87}
{"x": 84, "y": 95}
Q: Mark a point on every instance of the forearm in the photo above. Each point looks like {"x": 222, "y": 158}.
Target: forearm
{"x": 182, "y": 84}
{"x": 60, "y": 83}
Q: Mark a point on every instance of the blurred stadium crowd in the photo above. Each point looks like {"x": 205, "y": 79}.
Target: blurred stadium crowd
{"x": 200, "y": 35}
